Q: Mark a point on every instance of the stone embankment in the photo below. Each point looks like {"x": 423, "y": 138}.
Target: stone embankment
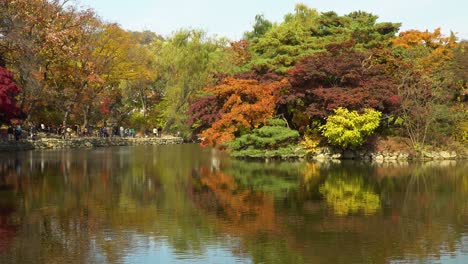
{"x": 330, "y": 154}
{"x": 92, "y": 142}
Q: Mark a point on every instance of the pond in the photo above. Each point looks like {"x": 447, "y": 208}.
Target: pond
{"x": 187, "y": 204}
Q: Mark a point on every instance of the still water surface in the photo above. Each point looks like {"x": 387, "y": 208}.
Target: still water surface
{"x": 185, "y": 204}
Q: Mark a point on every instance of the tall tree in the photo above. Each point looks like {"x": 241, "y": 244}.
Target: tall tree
{"x": 185, "y": 63}
{"x": 427, "y": 85}
{"x": 260, "y": 27}
{"x": 36, "y": 35}
{"x": 115, "y": 58}
{"x": 460, "y": 68}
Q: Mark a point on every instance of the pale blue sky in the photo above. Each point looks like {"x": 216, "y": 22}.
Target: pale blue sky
{"x": 232, "y": 18}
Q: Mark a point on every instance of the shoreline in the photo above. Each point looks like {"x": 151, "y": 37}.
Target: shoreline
{"x": 87, "y": 142}
{"x": 324, "y": 154}
{"x": 329, "y": 154}
{"x": 384, "y": 156}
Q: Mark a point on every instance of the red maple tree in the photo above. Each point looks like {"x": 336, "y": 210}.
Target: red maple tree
{"x": 8, "y": 92}
{"x": 339, "y": 77}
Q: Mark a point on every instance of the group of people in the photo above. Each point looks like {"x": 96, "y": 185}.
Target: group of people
{"x": 32, "y": 131}
{"x": 14, "y": 132}
{"x": 17, "y": 132}
{"x": 91, "y": 131}
{"x": 157, "y": 132}
{"x": 116, "y": 131}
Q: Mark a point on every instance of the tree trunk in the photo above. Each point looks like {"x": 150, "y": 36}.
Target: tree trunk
{"x": 85, "y": 116}
{"x": 65, "y": 118}
{"x": 169, "y": 124}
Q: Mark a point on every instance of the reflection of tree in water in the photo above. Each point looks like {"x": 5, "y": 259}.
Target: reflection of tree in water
{"x": 244, "y": 208}
{"x": 275, "y": 178}
{"x": 244, "y": 211}
{"x": 434, "y": 208}
{"x": 79, "y": 205}
{"x": 418, "y": 217}
{"x": 349, "y": 196}
{"x": 7, "y": 229}
{"x": 64, "y": 202}
{"x": 8, "y": 184}
{"x": 426, "y": 206}
{"x": 71, "y": 207}
{"x": 311, "y": 175}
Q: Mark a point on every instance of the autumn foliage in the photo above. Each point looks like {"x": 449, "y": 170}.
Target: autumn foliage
{"x": 339, "y": 77}
{"x": 428, "y": 50}
{"x": 236, "y": 105}
{"x": 8, "y": 91}
{"x": 73, "y": 67}
{"x": 368, "y": 70}
{"x": 348, "y": 129}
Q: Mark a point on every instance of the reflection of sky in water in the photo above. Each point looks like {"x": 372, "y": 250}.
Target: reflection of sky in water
{"x": 154, "y": 251}
{"x": 460, "y": 256}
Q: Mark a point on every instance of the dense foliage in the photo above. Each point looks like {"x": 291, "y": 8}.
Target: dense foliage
{"x": 8, "y": 91}
{"x": 348, "y": 129}
{"x": 305, "y": 32}
{"x": 274, "y": 139}
{"x": 74, "y": 68}
{"x": 237, "y": 105}
{"x": 339, "y": 77}
{"x": 184, "y": 64}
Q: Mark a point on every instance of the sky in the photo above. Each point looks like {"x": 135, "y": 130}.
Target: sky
{"x": 231, "y": 18}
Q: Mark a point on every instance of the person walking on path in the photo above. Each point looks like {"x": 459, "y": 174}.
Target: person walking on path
{"x": 11, "y": 132}
{"x": 121, "y": 130}
{"x": 18, "y": 132}
{"x": 159, "y": 131}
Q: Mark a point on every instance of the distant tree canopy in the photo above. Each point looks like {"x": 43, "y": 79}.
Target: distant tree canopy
{"x": 306, "y": 32}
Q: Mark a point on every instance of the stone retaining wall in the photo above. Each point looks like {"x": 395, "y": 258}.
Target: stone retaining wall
{"x": 330, "y": 154}
{"x": 54, "y": 143}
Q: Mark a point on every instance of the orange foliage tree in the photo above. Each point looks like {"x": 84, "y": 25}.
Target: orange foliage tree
{"x": 427, "y": 85}
{"x": 427, "y": 49}
{"x": 241, "y": 51}
{"x": 243, "y": 104}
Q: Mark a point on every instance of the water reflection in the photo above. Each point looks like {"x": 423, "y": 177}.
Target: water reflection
{"x": 184, "y": 204}
{"x": 349, "y": 195}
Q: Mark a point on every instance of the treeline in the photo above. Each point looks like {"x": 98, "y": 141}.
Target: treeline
{"x": 336, "y": 80}
{"x": 70, "y": 67}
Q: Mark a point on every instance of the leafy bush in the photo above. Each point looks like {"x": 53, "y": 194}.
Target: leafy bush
{"x": 348, "y": 129}
{"x": 462, "y": 132}
{"x": 311, "y": 141}
{"x": 137, "y": 121}
{"x": 272, "y": 140}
